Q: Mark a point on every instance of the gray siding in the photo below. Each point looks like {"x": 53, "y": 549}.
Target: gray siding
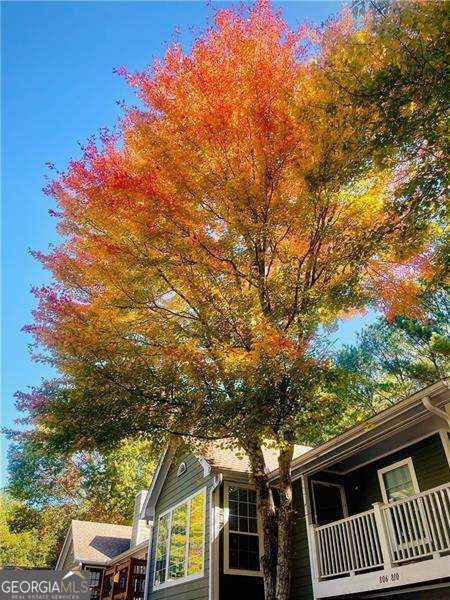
{"x": 362, "y": 487}
{"x": 176, "y": 489}
{"x": 69, "y": 561}
{"x": 430, "y": 465}
{"x": 237, "y": 587}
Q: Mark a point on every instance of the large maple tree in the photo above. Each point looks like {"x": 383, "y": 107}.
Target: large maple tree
{"x": 235, "y": 213}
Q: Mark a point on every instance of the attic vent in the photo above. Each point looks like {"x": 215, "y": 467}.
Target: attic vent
{"x": 181, "y": 469}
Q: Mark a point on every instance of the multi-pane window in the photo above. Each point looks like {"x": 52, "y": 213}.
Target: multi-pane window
{"x": 177, "y": 552}
{"x": 122, "y": 580}
{"x": 180, "y": 541}
{"x": 161, "y": 549}
{"x": 398, "y": 481}
{"x": 243, "y": 536}
{"x": 94, "y": 583}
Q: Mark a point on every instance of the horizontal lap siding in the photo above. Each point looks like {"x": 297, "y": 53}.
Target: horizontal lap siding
{"x": 430, "y": 465}
{"x": 176, "y": 489}
{"x": 69, "y": 560}
{"x": 301, "y": 570}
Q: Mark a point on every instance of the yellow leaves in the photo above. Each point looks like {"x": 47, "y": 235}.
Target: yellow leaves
{"x": 409, "y": 108}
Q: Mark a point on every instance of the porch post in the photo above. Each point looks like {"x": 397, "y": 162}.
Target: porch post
{"x": 311, "y": 533}
{"x": 382, "y": 535}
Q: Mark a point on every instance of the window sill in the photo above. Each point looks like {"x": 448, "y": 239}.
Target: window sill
{"x": 172, "y": 582}
{"x": 228, "y": 571}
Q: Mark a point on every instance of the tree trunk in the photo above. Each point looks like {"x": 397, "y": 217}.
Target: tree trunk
{"x": 285, "y": 525}
{"x": 266, "y": 509}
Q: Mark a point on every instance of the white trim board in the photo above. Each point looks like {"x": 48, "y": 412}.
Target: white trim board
{"x": 162, "y": 470}
{"x": 445, "y": 439}
{"x": 406, "y": 462}
{"x": 148, "y": 510}
{"x": 419, "y": 588}
{"x": 214, "y": 535}
{"x": 65, "y": 548}
{"x": 171, "y": 582}
{"x": 379, "y": 457}
{"x": 416, "y": 572}
{"x": 368, "y": 431}
{"x": 354, "y": 449}
{"x": 138, "y": 549}
{"x": 226, "y": 533}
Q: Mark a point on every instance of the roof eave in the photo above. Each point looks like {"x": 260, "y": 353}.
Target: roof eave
{"x": 368, "y": 428}
{"x": 127, "y": 553}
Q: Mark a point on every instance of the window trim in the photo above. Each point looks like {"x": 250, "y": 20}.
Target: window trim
{"x": 182, "y": 468}
{"x": 401, "y": 463}
{"x": 329, "y": 484}
{"x": 226, "y": 533}
{"x": 171, "y": 582}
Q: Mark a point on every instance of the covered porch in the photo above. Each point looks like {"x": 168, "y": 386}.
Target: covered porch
{"x": 378, "y": 503}
{"x": 382, "y": 541}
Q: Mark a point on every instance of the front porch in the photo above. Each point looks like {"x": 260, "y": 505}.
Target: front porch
{"x": 394, "y": 544}
{"x": 377, "y": 502}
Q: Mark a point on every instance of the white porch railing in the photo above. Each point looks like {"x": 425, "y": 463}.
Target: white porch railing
{"x": 418, "y": 526}
{"x": 390, "y": 534}
{"x": 349, "y": 545}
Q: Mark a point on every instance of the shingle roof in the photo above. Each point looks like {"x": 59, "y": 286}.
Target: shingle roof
{"x": 98, "y": 542}
{"x": 229, "y": 459}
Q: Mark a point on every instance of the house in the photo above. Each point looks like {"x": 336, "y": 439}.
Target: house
{"x": 372, "y": 514}
{"x": 108, "y": 549}
{"x": 124, "y": 575}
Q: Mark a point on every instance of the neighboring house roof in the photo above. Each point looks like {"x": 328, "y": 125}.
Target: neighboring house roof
{"x": 138, "y": 551}
{"x": 94, "y": 542}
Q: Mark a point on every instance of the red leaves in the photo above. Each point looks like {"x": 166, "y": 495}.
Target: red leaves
{"x": 226, "y": 221}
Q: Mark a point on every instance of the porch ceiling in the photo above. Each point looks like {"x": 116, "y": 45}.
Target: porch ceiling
{"x": 390, "y": 430}
{"x": 402, "y": 434}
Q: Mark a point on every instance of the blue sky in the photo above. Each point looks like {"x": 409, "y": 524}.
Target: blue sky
{"x": 58, "y": 88}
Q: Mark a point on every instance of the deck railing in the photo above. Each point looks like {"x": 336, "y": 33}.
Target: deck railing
{"x": 349, "y": 546}
{"x": 418, "y": 526}
{"x": 414, "y": 528}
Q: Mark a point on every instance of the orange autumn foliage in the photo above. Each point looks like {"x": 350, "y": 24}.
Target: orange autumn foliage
{"x": 233, "y": 215}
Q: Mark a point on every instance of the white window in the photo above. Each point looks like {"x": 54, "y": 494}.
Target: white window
{"x": 180, "y": 542}
{"x": 398, "y": 481}
{"x": 181, "y": 469}
{"x": 242, "y": 547}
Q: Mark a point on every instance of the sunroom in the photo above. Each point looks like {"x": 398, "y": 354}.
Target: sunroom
{"x": 377, "y": 500}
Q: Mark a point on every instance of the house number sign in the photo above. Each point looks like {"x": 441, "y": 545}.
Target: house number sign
{"x": 389, "y": 578}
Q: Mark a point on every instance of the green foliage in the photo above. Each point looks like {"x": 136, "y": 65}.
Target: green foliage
{"x": 27, "y": 537}
{"x": 100, "y": 485}
{"x": 47, "y": 490}
{"x": 391, "y": 360}
{"x": 406, "y": 82}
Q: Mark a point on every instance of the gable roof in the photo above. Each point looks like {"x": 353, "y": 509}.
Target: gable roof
{"x": 227, "y": 459}
{"x": 95, "y": 542}
{"x": 98, "y": 542}
{"x": 215, "y": 459}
